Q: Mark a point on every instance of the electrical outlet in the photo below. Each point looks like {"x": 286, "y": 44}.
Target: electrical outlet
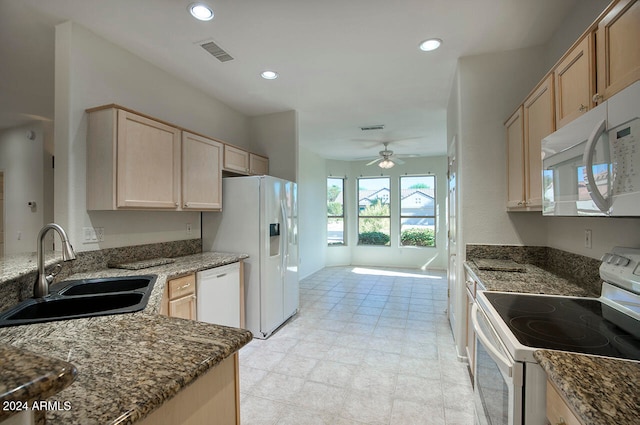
{"x": 587, "y": 238}
{"x": 188, "y": 228}
{"x": 89, "y": 235}
{"x": 92, "y": 234}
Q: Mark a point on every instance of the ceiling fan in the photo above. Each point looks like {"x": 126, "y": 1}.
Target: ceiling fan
{"x": 386, "y": 160}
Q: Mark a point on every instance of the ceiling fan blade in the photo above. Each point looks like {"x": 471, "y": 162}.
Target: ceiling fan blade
{"x": 397, "y": 160}
{"x": 374, "y": 161}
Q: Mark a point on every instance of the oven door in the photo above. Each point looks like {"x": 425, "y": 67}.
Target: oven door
{"x": 498, "y": 378}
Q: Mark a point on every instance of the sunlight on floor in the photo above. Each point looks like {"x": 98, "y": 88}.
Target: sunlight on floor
{"x": 394, "y": 273}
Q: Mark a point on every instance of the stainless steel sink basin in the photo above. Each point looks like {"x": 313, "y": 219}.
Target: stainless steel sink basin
{"x": 83, "y": 298}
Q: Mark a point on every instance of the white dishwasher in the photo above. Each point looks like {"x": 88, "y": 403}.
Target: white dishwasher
{"x": 218, "y": 295}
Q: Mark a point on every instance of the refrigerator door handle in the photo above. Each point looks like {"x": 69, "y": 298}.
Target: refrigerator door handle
{"x": 285, "y": 238}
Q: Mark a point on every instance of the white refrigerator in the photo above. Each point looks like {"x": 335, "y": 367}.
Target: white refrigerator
{"x": 259, "y": 217}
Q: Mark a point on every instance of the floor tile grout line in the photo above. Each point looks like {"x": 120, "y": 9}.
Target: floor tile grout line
{"x": 435, "y": 322}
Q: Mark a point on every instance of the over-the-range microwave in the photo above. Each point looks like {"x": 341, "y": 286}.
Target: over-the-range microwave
{"x": 591, "y": 166}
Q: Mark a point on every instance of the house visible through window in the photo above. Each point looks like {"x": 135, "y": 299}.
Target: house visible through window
{"x": 374, "y": 217}
{"x": 335, "y": 211}
{"x": 417, "y": 210}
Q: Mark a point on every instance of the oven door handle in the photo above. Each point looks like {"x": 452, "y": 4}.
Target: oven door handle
{"x": 493, "y": 352}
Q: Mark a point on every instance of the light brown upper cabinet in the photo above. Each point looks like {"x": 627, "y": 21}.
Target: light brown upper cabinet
{"x": 133, "y": 162}
{"x": 236, "y": 159}
{"x": 618, "y": 48}
{"x": 574, "y": 78}
{"x": 137, "y": 162}
{"x": 258, "y": 165}
{"x": 539, "y": 122}
{"x": 515, "y": 161}
{"x": 201, "y": 173}
{"x": 240, "y": 161}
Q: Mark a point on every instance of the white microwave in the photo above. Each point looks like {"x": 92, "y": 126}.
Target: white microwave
{"x": 591, "y": 166}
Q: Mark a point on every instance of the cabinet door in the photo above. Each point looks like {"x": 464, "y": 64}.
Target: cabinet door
{"x": 538, "y": 123}
{"x": 236, "y": 159}
{"x": 258, "y": 165}
{"x": 515, "y": 160}
{"x": 557, "y": 410}
{"x": 148, "y": 163}
{"x": 201, "y": 173}
{"x": 183, "y": 308}
{"x": 575, "y": 82}
{"x": 618, "y": 47}
{"x": 182, "y": 286}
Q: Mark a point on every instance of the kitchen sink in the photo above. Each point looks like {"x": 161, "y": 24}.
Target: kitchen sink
{"x": 83, "y": 298}
{"x": 104, "y": 285}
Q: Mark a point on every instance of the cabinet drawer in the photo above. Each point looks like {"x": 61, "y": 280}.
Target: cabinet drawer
{"x": 557, "y": 410}
{"x": 182, "y": 286}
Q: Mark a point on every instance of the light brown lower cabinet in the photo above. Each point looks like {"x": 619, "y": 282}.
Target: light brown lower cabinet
{"x": 213, "y": 399}
{"x": 180, "y": 298}
{"x": 558, "y": 412}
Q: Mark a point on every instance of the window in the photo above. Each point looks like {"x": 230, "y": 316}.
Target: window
{"x": 417, "y": 210}
{"x": 335, "y": 211}
{"x": 374, "y": 217}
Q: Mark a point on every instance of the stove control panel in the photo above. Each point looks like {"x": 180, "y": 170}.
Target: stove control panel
{"x": 621, "y": 267}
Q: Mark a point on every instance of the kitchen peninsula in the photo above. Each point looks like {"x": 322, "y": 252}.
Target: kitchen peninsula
{"x": 137, "y": 368}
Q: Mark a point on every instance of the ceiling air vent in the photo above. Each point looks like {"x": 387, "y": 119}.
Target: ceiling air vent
{"x": 372, "y": 127}
{"x": 216, "y": 51}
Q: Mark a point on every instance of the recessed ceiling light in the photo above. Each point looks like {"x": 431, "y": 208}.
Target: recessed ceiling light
{"x": 430, "y": 44}
{"x": 201, "y": 11}
{"x": 269, "y": 75}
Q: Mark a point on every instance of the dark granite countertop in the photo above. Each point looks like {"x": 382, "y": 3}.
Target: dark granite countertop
{"x": 126, "y": 364}
{"x": 533, "y": 280}
{"x": 46, "y": 376}
{"x": 599, "y": 390}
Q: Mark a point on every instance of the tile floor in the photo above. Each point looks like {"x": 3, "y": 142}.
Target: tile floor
{"x": 368, "y": 346}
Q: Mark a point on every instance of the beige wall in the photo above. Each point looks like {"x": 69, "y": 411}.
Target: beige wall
{"x": 91, "y": 71}
{"x": 491, "y": 86}
{"x": 23, "y": 163}
{"x": 276, "y": 136}
{"x": 312, "y": 208}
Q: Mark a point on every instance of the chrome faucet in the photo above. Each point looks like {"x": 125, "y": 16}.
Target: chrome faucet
{"x": 43, "y": 280}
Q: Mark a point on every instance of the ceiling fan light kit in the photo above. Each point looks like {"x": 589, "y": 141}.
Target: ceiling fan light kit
{"x": 386, "y": 164}
{"x": 385, "y": 160}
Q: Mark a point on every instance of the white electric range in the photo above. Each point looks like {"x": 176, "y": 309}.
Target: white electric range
{"x": 510, "y": 386}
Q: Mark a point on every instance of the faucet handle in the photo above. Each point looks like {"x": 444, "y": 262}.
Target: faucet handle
{"x": 56, "y": 269}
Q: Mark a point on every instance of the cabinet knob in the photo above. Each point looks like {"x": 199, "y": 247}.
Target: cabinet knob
{"x": 597, "y": 98}
{"x": 177, "y": 204}
{"x": 582, "y": 108}
{"x": 186, "y": 204}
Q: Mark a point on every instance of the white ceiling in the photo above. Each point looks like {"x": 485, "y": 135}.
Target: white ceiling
{"x": 343, "y": 64}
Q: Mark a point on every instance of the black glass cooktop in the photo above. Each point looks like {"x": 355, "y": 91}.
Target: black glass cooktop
{"x": 569, "y": 324}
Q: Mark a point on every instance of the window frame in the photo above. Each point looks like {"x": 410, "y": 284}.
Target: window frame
{"x": 343, "y": 216}
{"x": 360, "y": 216}
{"x": 402, "y": 217}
